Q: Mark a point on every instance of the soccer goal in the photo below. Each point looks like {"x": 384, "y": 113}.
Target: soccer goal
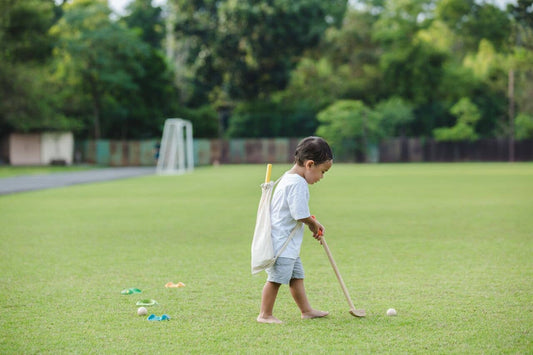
{"x": 176, "y": 150}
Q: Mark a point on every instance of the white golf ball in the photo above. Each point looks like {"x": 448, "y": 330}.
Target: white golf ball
{"x": 391, "y": 312}
{"x": 142, "y": 311}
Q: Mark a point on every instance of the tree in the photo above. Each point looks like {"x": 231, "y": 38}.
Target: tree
{"x": 96, "y": 54}
{"x": 474, "y": 21}
{"x": 139, "y": 111}
{"x": 522, "y": 13}
{"x": 395, "y": 115}
{"x": 148, "y": 20}
{"x": 24, "y": 30}
{"x": 204, "y": 120}
{"x": 521, "y": 63}
{"x": 315, "y": 83}
{"x": 467, "y": 115}
{"x": 28, "y": 100}
{"x": 349, "y": 125}
{"x": 344, "y": 65}
{"x": 271, "y": 118}
{"x": 247, "y": 48}
{"x": 412, "y": 64}
{"x": 414, "y": 72}
{"x": 524, "y": 126}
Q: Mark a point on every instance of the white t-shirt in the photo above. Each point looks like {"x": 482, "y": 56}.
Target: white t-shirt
{"x": 289, "y": 204}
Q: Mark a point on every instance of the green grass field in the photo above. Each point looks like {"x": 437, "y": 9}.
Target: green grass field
{"x": 11, "y": 171}
{"x": 449, "y": 246}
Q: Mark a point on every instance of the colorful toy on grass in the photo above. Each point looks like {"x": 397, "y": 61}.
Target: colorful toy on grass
{"x": 153, "y": 317}
{"x": 130, "y": 291}
{"x": 147, "y": 302}
{"x": 173, "y": 285}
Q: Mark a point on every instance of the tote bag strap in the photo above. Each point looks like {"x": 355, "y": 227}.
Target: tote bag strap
{"x": 295, "y": 229}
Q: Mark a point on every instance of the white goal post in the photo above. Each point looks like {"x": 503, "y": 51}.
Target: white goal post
{"x": 176, "y": 149}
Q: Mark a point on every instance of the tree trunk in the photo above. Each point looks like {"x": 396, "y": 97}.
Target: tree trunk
{"x": 365, "y": 140}
{"x": 96, "y": 108}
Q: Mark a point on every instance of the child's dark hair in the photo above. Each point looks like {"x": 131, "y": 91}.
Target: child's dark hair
{"x": 312, "y": 148}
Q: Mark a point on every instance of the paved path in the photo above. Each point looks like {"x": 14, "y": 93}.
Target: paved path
{"x": 15, "y": 184}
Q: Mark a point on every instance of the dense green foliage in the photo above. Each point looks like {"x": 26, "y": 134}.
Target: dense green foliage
{"x": 467, "y": 116}
{"x": 246, "y": 49}
{"x": 524, "y": 126}
{"x": 447, "y": 245}
{"x": 350, "y": 126}
{"x": 265, "y": 68}
{"x": 28, "y": 100}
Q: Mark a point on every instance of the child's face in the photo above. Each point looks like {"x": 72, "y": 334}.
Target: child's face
{"x": 313, "y": 172}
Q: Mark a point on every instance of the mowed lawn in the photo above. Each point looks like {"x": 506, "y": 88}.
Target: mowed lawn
{"x": 449, "y": 246}
{"x": 13, "y": 171}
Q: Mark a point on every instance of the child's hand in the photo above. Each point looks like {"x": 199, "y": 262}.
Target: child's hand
{"x": 316, "y": 228}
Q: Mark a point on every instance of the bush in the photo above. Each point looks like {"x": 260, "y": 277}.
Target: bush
{"x": 467, "y": 115}
{"x": 348, "y": 126}
{"x": 523, "y": 126}
{"x": 204, "y": 120}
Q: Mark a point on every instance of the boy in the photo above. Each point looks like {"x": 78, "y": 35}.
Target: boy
{"x": 289, "y": 207}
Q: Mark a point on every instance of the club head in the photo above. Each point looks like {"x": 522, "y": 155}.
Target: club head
{"x": 358, "y": 313}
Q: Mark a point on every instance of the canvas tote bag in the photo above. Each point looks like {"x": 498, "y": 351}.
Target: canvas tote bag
{"x": 262, "y": 249}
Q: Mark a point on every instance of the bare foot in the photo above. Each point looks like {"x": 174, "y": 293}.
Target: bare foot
{"x": 268, "y": 319}
{"x": 314, "y": 314}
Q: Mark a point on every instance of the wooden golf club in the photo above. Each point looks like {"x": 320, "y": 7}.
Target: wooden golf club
{"x": 354, "y": 312}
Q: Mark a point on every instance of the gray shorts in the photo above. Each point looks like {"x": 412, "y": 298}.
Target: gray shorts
{"x": 284, "y": 270}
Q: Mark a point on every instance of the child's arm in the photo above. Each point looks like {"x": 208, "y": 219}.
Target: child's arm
{"x": 314, "y": 226}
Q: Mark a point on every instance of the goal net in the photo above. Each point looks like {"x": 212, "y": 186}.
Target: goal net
{"x": 176, "y": 150}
